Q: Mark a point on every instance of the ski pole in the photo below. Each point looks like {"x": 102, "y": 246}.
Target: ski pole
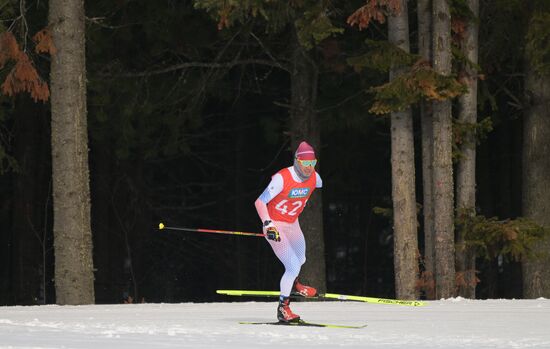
{"x": 200, "y": 230}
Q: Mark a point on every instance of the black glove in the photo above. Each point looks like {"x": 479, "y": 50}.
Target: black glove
{"x": 271, "y": 232}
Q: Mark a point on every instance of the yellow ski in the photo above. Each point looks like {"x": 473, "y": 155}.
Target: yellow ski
{"x": 324, "y": 296}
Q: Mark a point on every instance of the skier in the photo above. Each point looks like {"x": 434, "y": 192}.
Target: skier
{"x": 279, "y": 207}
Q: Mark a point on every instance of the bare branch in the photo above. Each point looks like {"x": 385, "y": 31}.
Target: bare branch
{"x": 210, "y": 65}
{"x": 344, "y": 101}
{"x": 99, "y": 21}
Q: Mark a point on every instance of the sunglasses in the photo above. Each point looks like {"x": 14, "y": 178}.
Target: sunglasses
{"x": 306, "y": 163}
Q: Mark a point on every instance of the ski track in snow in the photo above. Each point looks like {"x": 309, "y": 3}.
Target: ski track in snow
{"x": 452, "y": 323}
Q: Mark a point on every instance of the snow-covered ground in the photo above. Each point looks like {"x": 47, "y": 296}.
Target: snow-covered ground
{"x": 454, "y": 323}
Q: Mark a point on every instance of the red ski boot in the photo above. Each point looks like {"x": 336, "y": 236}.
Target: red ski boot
{"x": 284, "y": 314}
{"x": 306, "y": 291}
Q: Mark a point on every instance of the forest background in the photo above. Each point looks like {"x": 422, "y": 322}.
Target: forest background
{"x": 191, "y": 107}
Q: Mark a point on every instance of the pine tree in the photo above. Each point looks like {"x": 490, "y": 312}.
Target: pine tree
{"x": 74, "y": 278}
{"x": 417, "y": 83}
{"x": 425, "y": 51}
{"x": 403, "y": 175}
{"x": 466, "y": 169}
{"x": 536, "y": 142}
{"x": 443, "y": 190}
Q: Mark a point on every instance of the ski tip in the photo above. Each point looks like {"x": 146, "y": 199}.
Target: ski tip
{"x": 230, "y": 292}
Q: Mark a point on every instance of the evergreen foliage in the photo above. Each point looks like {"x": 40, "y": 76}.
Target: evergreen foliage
{"x": 382, "y": 56}
{"x": 417, "y": 82}
{"x": 23, "y": 76}
{"x": 480, "y": 130}
{"x": 315, "y": 26}
{"x": 310, "y": 17}
{"x": 19, "y": 68}
{"x": 373, "y": 10}
{"x": 420, "y": 82}
{"x": 276, "y": 13}
{"x": 512, "y": 239}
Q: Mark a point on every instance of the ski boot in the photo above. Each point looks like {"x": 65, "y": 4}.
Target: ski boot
{"x": 306, "y": 291}
{"x": 284, "y": 314}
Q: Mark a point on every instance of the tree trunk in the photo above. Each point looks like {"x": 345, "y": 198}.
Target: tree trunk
{"x": 466, "y": 168}
{"x": 405, "y": 240}
{"x": 305, "y": 126}
{"x": 425, "y": 51}
{"x": 442, "y": 161}
{"x": 536, "y": 180}
{"x": 74, "y": 278}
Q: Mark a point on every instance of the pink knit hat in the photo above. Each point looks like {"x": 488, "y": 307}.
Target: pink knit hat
{"x": 305, "y": 152}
